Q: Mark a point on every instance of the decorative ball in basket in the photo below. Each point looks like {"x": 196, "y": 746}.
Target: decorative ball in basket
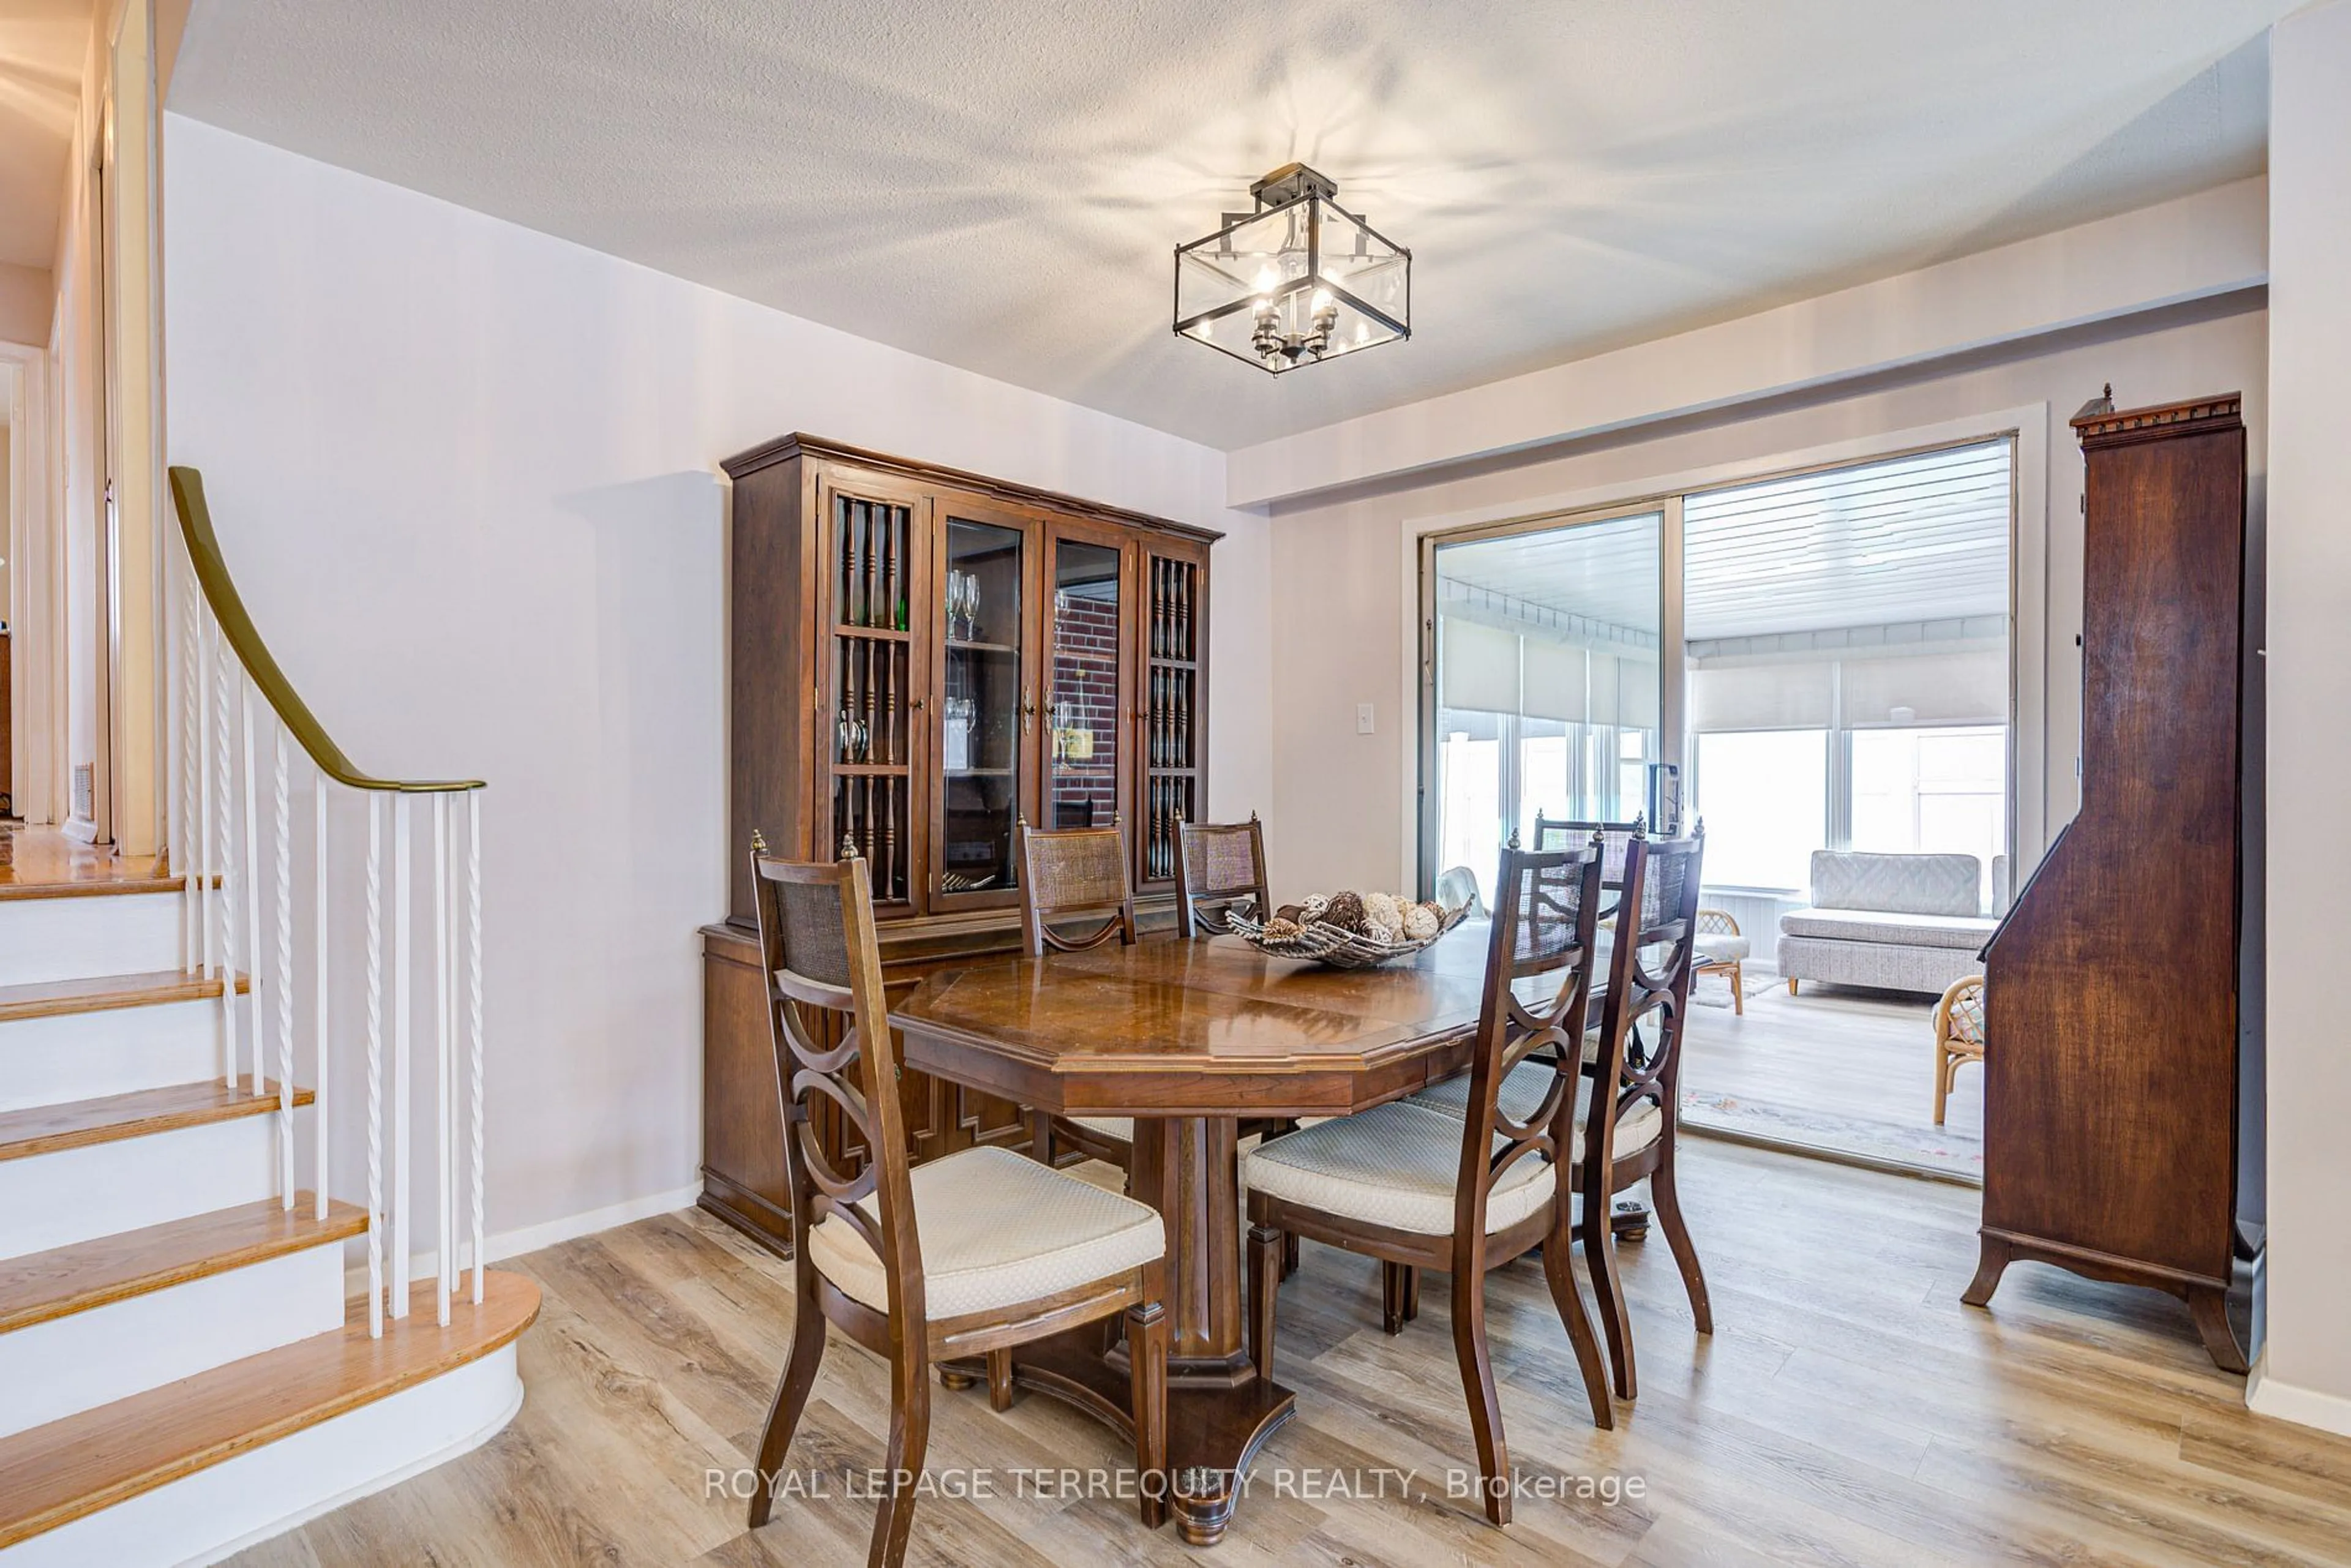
{"x": 1347, "y": 930}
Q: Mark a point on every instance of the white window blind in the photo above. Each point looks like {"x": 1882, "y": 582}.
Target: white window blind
{"x": 1478, "y": 666}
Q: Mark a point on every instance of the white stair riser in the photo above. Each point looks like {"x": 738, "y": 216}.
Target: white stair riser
{"x": 82, "y": 938}
{"x": 58, "y": 1368}
{"x": 85, "y": 1056}
{"x": 219, "y": 1511}
{"x": 81, "y": 1194}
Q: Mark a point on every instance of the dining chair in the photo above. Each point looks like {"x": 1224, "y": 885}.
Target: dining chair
{"x": 965, "y": 1256}
{"x": 1413, "y": 1187}
{"x": 1959, "y": 1035}
{"x": 1066, "y": 875}
{"x": 1632, "y": 1136}
{"x": 1560, "y": 833}
{"x": 1218, "y": 866}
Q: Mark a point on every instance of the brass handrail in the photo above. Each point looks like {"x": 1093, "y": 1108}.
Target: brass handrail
{"x": 237, "y": 625}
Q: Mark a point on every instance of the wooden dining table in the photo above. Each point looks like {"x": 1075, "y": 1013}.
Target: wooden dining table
{"x": 1189, "y": 1038}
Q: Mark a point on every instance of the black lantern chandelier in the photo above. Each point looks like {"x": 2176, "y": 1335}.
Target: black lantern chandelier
{"x": 1296, "y": 282}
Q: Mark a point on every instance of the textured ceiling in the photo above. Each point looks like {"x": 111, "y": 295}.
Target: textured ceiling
{"x": 42, "y": 46}
{"x": 999, "y": 185}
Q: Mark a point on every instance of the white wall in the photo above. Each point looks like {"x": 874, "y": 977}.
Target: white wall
{"x": 465, "y": 477}
{"x": 1344, "y": 809}
{"x": 2305, "y": 1373}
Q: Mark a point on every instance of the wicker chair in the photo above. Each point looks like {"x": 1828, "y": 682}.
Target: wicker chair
{"x": 1959, "y": 1035}
{"x": 1081, "y": 872}
{"x": 967, "y": 1256}
{"x": 1722, "y": 950}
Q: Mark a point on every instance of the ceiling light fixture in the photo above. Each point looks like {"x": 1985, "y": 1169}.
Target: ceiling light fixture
{"x": 1297, "y": 281}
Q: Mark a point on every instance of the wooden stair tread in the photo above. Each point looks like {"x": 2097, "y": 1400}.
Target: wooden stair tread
{"x": 48, "y": 863}
{"x": 45, "y": 1129}
{"x": 40, "y": 1286}
{"x": 48, "y": 998}
{"x": 69, "y": 1469}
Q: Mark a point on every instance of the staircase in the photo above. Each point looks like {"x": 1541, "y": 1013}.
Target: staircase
{"x": 183, "y": 1368}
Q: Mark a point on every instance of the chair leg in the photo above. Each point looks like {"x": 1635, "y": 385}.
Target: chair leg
{"x": 1739, "y": 989}
{"x": 1561, "y": 1273}
{"x": 1791, "y": 985}
{"x": 1942, "y": 1080}
{"x": 1411, "y": 1291}
{"x": 1478, "y": 1386}
{"x": 1041, "y": 1138}
{"x": 1391, "y": 1298}
{"x": 1264, "y": 1285}
{"x": 1289, "y": 1254}
{"x": 1146, "y": 1340}
{"x": 791, "y": 1398}
{"x": 1664, "y": 1196}
{"x": 1000, "y": 1379}
{"x": 1608, "y": 1292}
{"x": 910, "y": 1434}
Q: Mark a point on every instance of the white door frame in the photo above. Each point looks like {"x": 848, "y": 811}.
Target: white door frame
{"x": 34, "y": 610}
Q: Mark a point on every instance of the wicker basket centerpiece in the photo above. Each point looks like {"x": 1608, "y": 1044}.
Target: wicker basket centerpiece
{"x": 1346, "y": 930}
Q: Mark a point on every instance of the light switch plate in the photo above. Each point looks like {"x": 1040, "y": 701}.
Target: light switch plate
{"x": 1362, "y": 718}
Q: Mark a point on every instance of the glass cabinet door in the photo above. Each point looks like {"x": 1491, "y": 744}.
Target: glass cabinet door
{"x": 988, "y": 707}
{"x": 1085, "y": 684}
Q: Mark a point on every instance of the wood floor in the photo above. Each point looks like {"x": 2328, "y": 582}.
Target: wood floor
{"x": 1846, "y": 1410}
{"x": 1834, "y": 1065}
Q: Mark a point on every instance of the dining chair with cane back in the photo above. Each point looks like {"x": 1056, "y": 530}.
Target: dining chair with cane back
{"x": 1560, "y": 833}
{"x": 1218, "y": 866}
{"x": 1412, "y": 1187}
{"x": 1076, "y": 875}
{"x": 965, "y": 1256}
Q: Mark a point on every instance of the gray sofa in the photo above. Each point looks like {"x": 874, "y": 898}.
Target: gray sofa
{"x": 1901, "y": 922}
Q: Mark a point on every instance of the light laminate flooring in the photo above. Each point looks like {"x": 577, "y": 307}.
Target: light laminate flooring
{"x": 1846, "y": 1410}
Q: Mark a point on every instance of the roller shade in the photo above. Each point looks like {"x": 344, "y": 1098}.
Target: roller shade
{"x": 1763, "y": 697}
{"x": 1555, "y": 678}
{"x": 1477, "y": 667}
{"x": 1969, "y": 687}
{"x": 1637, "y": 684}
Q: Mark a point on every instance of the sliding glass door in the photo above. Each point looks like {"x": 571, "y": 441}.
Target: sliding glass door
{"x": 1546, "y": 684}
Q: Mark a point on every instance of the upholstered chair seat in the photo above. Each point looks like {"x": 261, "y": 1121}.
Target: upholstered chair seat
{"x": 1396, "y": 1166}
{"x": 1120, "y": 1129}
{"x": 1723, "y": 947}
{"x": 997, "y": 1227}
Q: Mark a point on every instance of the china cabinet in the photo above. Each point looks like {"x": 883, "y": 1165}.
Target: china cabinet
{"x": 922, "y": 658}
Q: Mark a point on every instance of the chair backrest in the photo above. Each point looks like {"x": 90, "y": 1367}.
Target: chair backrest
{"x": 1073, "y": 872}
{"x": 1959, "y": 1016}
{"x": 1217, "y": 864}
{"x": 1546, "y": 910}
{"x": 831, "y": 1027}
{"x": 1649, "y": 970}
{"x": 1558, "y": 832}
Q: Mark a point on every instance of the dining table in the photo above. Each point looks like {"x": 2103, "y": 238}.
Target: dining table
{"x": 1190, "y": 1039}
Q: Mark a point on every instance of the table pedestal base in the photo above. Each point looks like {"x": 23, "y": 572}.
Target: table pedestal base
{"x": 1215, "y": 1428}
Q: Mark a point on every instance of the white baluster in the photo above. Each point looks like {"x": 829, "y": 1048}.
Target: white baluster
{"x": 224, "y": 672}
{"x": 375, "y": 1063}
{"x": 186, "y": 858}
{"x": 208, "y": 864}
{"x": 283, "y": 820}
{"x": 444, "y": 1150}
{"x": 251, "y": 785}
{"x": 401, "y": 927}
{"x": 321, "y": 1117}
{"x": 473, "y": 979}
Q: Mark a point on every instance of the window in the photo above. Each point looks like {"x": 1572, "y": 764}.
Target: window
{"x": 1932, "y": 792}
{"x": 1764, "y": 797}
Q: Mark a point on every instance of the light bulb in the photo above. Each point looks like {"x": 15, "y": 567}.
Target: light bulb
{"x": 1268, "y": 279}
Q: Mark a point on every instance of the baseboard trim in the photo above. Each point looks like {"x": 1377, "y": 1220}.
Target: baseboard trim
{"x": 509, "y": 1244}
{"x": 2265, "y": 1396}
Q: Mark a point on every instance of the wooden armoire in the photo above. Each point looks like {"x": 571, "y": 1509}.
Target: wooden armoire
{"x": 2113, "y": 1121}
{"x": 920, "y": 659}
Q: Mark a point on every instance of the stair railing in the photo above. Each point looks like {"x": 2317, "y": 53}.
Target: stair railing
{"x": 234, "y": 718}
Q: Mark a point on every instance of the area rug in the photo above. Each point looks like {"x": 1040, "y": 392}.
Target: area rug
{"x": 1930, "y": 1148}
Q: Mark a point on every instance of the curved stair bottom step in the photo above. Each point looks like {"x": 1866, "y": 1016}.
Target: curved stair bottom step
{"x": 255, "y": 1454}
